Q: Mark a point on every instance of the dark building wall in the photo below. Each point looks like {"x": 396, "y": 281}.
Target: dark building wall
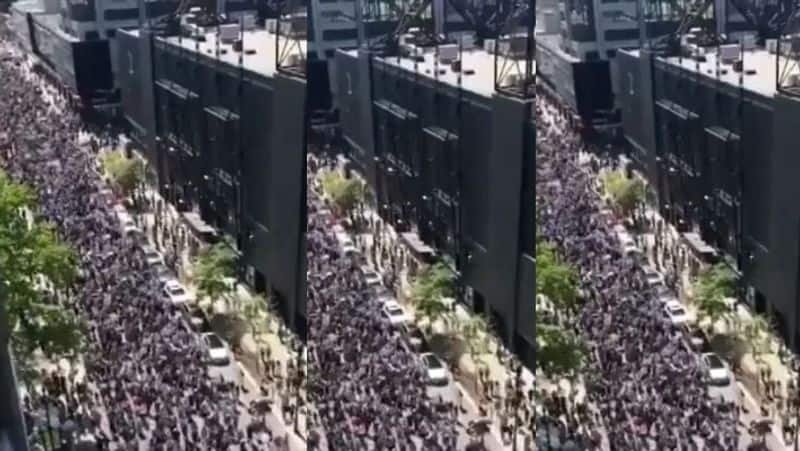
{"x": 232, "y": 144}
{"x": 82, "y": 66}
{"x": 526, "y": 292}
{"x": 319, "y": 95}
{"x": 583, "y": 85}
{"x": 730, "y": 152}
{"x": 727, "y": 146}
{"x": 451, "y": 162}
{"x": 355, "y": 109}
{"x": 92, "y": 68}
{"x": 53, "y": 49}
{"x": 782, "y": 289}
{"x": 135, "y": 80}
{"x": 287, "y": 182}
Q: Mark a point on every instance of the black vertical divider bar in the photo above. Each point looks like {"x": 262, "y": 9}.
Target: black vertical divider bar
{"x": 240, "y": 144}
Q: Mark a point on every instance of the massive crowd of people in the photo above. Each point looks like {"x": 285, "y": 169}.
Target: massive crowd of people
{"x": 372, "y": 395}
{"x": 648, "y": 386}
{"x": 145, "y": 386}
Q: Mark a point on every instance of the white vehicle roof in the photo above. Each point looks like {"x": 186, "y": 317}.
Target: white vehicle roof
{"x": 674, "y": 304}
{"x": 392, "y": 305}
{"x": 173, "y": 284}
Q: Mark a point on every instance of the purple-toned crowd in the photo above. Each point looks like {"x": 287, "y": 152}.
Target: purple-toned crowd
{"x": 648, "y": 386}
{"x": 146, "y": 386}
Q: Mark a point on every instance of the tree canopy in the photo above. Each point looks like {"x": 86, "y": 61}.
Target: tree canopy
{"x": 559, "y": 352}
{"x": 428, "y": 290}
{"x": 710, "y": 290}
{"x": 213, "y": 269}
{"x": 555, "y": 279}
{"x": 345, "y": 193}
{"x": 625, "y": 192}
{"x": 35, "y": 265}
{"x": 125, "y": 173}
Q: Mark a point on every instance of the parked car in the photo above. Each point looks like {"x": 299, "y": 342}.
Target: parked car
{"x": 696, "y": 338}
{"x": 176, "y": 293}
{"x": 415, "y": 337}
{"x": 164, "y": 274}
{"x": 721, "y": 381}
{"x": 218, "y": 352}
{"x": 195, "y": 317}
{"x": 653, "y": 277}
{"x": 372, "y": 278}
{"x": 676, "y": 313}
{"x": 350, "y": 251}
{"x": 395, "y": 313}
{"x": 435, "y": 370}
{"x": 152, "y": 256}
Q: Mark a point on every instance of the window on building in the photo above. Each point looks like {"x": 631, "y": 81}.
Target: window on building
{"x": 111, "y": 33}
{"x": 611, "y": 53}
{"x": 91, "y": 36}
{"x": 329, "y": 53}
{"x": 629, "y": 34}
{"x": 340, "y": 35}
{"x": 121, "y": 14}
{"x": 592, "y": 55}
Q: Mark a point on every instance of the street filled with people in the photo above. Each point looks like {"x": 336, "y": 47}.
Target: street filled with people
{"x": 368, "y": 387}
{"x": 146, "y": 385}
{"x": 648, "y": 386}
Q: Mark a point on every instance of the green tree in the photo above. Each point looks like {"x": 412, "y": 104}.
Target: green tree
{"x": 559, "y": 352}
{"x": 556, "y": 280}
{"x": 30, "y": 253}
{"x": 626, "y": 193}
{"x": 126, "y": 174}
{"x": 213, "y": 269}
{"x": 429, "y": 289}
{"x": 345, "y": 193}
{"x": 709, "y": 292}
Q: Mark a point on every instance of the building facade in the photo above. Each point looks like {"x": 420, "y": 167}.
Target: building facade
{"x": 82, "y": 68}
{"x": 721, "y": 158}
{"x": 456, "y": 168}
{"x": 226, "y": 142}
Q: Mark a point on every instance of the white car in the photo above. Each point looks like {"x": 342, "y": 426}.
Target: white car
{"x": 630, "y": 249}
{"x": 435, "y": 369}
{"x": 175, "y": 292}
{"x": 372, "y": 278}
{"x": 152, "y": 256}
{"x": 676, "y": 313}
{"x": 395, "y": 313}
{"x": 384, "y": 298}
{"x": 722, "y": 386}
{"x": 653, "y": 277}
{"x": 218, "y": 352}
{"x": 350, "y": 251}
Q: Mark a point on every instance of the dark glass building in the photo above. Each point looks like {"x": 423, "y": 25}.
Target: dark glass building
{"x": 453, "y": 164}
{"x": 226, "y": 140}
